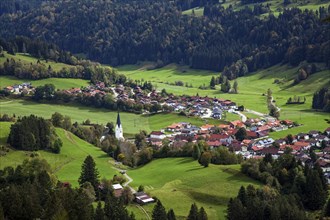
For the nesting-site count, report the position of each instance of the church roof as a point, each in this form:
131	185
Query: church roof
118	120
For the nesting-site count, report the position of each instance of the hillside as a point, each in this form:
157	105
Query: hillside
250	88
66	165
115	33
275	7
164	178
180	181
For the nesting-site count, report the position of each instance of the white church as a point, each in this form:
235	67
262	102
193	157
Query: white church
119	129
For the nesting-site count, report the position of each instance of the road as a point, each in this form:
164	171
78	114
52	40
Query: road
243	117
129	179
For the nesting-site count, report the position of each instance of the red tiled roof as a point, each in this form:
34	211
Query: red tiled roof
255	148
156	133
213	143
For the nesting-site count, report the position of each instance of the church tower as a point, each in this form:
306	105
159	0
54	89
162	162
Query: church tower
119	129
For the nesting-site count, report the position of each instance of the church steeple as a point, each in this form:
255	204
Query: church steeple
119	129
118	120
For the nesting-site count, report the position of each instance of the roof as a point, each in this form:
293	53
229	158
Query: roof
118	120
214	143
301	144
157	133
207	126
117	186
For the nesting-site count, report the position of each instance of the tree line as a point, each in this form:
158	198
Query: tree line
117	33
34	133
321	99
302	186
83	70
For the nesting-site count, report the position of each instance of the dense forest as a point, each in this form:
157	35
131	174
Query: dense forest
290	190
121	32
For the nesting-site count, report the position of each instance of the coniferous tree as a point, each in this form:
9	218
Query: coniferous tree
315	196
235	210
2	214
171	215
89	172
242	195
235	87
159	212
241	134
99	213
193	213
202	214
212	83
327	209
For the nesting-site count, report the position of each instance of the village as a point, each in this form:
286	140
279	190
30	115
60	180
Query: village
255	142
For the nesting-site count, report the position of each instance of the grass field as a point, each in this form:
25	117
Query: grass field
59	83
66	165
178	182
251	88
276	6
132	123
26	58
168	74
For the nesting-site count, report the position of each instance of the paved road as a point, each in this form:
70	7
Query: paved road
243	117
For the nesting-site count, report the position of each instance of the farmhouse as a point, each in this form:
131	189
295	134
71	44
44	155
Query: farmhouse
157	135
143	198
117	190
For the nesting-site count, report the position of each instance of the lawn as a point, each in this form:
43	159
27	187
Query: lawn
179	182
59	83
132	123
66	165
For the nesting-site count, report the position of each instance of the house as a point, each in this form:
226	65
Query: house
236	123
303	136
325	165
299	145
216	113
213	144
327	131
117	190
143	198
269	150
174	127
207	127
313	133
157	135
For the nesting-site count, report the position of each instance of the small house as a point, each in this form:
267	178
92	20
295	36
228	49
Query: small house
143	198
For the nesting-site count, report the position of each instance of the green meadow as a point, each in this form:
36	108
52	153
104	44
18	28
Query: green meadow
276	7
179	182
168	74
59	83
26	58
66	165
251	90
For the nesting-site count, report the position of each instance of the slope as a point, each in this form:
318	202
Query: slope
66	165
179	182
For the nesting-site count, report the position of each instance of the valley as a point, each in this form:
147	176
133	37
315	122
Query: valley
164	110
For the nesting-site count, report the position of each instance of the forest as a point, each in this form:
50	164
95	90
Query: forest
118	32
291	189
